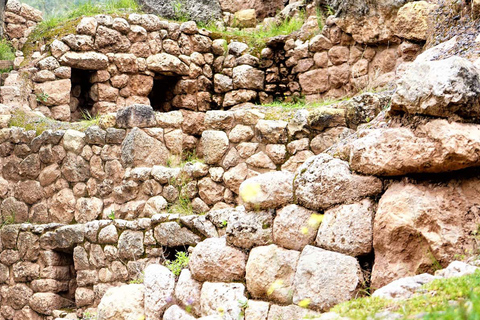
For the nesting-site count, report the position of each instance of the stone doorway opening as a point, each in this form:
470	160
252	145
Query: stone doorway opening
58	276
81	102
163	92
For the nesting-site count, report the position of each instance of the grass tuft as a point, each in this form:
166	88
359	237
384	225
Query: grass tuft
6	50
183	206
181	262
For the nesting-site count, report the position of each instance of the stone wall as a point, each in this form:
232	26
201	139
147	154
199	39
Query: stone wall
66	176
50	267
127	172
111	63
20	20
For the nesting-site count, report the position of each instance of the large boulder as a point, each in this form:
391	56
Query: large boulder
223	299
323	181
122	303
292	311
85	60
249	229
263	8
348	228
270	273
441	88
433	147
267	191
213	260
47	302
372	23
326	278
139	149
404	288
55	92
167	64
197	10
411	22
215	145
177	313
159	288
420	226
294	227
187	292
137	115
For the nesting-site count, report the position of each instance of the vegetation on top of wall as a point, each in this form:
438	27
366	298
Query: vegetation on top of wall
57	26
61	8
447	299
257	39
281	110
39	124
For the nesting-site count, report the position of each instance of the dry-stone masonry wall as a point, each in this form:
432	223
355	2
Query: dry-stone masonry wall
20	20
110	63
126	171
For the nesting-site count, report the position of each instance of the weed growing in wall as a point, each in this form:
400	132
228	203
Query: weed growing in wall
6	50
177	265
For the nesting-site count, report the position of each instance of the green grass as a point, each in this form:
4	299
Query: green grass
58	26
177	265
435	302
30	121
6	50
257	39
280	110
183	206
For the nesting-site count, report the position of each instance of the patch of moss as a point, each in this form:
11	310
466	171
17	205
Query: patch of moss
45	33
31	121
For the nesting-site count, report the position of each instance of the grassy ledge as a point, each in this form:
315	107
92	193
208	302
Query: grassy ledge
443	299
39	124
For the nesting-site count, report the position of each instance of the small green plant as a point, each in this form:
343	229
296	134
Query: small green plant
224	224
179	11
9	219
190	156
177	265
243	305
183	206
139	279
111	216
6	50
89	316
42	97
